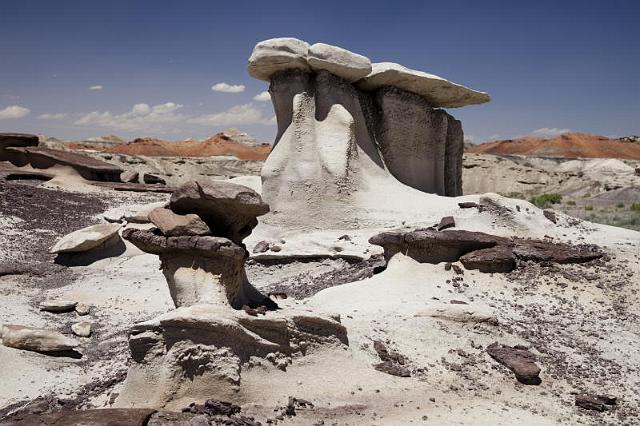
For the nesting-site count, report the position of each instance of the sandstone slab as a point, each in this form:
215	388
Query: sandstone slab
436	90
36	339
278	54
58	305
86	238
341	62
171	224
17	139
92	417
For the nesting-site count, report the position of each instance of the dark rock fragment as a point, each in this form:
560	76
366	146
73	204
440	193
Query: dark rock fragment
518	360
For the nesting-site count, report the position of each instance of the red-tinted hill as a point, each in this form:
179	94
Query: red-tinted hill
567	145
217	145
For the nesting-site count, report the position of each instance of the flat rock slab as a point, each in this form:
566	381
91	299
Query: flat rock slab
86	238
17	139
435	90
206	246
98	170
519	360
338	61
477	250
58	305
98	417
36	339
278	54
173	225
135	187
595	402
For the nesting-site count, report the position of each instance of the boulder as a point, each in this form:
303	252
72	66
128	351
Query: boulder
171	224
518	360
341	62
58	305
82	309
103	234
82	329
278	54
230	210
36	339
437	91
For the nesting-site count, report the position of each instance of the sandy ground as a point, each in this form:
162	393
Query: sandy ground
580	320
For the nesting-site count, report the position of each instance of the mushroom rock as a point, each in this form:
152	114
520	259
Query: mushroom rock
220	320
229	209
349	130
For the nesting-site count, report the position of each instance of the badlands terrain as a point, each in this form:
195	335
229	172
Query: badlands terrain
363	271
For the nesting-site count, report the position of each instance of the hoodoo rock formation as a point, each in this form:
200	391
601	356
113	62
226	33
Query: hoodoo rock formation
221	320
346	126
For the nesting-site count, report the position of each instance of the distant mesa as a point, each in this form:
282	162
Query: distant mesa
230	142
567	145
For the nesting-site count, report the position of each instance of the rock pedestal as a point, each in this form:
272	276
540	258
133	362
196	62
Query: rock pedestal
346	125
220	321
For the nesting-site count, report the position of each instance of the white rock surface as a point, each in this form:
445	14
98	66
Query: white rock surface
82	329
86	238
277	54
341	62
36	339
436	90
83	309
57	305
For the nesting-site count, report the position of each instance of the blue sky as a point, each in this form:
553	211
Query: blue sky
75	69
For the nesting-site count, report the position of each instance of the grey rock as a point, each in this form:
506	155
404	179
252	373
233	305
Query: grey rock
36	339
437	91
82	329
230	210
341	62
87	238
278	54
58	305
173	225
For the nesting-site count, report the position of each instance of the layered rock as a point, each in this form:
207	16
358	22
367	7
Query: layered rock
220	320
477	250
346	126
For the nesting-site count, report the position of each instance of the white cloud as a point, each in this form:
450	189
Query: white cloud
14	111
96	87
141	117
228	88
237	115
553	131
262	97
47	116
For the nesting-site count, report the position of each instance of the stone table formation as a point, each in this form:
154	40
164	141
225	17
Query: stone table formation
220	320
345	125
